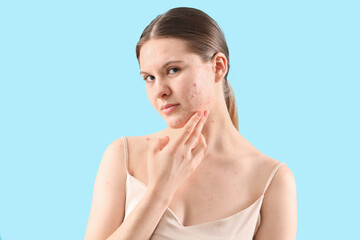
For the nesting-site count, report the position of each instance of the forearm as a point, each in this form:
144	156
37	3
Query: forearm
144	218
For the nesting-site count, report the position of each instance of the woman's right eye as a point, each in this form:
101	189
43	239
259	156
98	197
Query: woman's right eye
149	76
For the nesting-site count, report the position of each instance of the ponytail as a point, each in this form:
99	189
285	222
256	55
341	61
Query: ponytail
231	103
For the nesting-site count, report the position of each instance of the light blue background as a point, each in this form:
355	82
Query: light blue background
70	85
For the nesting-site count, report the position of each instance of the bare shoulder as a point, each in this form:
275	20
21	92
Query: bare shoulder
137	147
114	154
109	194
279	208
284	177
283	182
107	208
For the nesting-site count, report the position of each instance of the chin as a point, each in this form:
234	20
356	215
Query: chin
175	125
177	120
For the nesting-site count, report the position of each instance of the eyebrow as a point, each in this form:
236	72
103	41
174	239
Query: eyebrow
167	63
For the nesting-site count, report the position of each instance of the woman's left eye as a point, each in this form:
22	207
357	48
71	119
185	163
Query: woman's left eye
176	69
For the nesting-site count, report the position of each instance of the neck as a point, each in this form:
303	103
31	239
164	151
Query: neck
222	138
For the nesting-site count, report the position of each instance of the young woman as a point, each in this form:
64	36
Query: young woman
199	178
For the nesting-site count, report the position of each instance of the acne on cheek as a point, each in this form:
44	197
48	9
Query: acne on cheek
199	97
199	101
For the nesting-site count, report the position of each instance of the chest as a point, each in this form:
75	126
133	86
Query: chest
211	193
199	201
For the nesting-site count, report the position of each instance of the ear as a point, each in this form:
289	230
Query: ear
219	63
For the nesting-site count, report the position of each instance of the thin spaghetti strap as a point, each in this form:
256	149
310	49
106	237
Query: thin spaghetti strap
272	175
126	153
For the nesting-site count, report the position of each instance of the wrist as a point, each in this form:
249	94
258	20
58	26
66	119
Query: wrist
160	194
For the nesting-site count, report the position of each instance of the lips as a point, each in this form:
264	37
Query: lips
168	105
168	108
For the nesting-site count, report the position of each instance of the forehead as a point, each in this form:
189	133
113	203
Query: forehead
155	52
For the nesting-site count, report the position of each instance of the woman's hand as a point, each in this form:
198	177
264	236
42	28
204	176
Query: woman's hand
171	161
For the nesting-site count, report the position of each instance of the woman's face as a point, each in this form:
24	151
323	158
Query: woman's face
173	75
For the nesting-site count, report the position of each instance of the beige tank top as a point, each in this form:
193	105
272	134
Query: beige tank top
242	225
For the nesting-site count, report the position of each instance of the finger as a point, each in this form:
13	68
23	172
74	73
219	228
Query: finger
189	127
159	144
191	142
199	151
164	141
197	141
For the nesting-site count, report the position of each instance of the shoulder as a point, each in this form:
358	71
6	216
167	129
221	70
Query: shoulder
108	194
137	148
283	183
279	208
139	144
114	151
112	163
129	143
283	180
285	176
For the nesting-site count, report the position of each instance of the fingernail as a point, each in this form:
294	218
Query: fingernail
199	113
206	113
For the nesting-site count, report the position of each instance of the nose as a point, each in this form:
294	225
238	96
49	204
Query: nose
162	88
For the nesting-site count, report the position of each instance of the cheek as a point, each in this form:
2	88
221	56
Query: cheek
200	94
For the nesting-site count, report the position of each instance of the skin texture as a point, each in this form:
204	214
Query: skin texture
196	86
231	165
190	83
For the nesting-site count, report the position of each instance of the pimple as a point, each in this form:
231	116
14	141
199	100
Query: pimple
194	84
147	139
